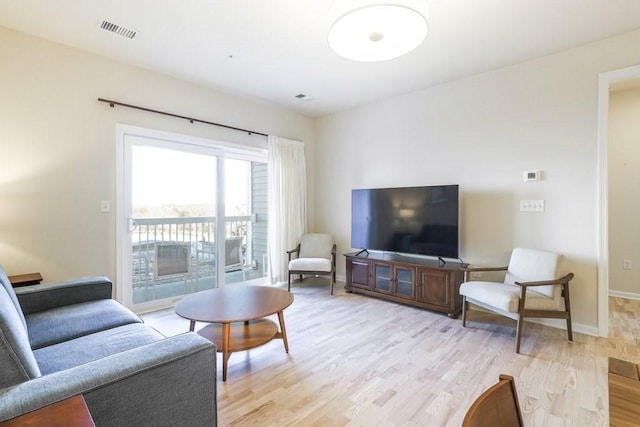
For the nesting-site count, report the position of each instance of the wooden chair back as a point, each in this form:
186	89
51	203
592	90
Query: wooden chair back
496	407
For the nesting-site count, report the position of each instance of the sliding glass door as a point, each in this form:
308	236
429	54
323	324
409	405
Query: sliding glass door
192	217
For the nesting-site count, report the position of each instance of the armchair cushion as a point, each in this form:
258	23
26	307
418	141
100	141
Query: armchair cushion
530	265
506	297
316	245
310	264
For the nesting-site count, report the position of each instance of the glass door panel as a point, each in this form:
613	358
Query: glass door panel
245	220
173	222
383	278
404	283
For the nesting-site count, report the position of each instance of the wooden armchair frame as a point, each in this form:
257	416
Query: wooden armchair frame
498	406
522	310
331	274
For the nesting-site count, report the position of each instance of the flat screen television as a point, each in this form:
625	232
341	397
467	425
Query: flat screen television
411	220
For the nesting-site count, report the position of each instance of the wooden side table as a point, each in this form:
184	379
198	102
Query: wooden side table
25	279
71	412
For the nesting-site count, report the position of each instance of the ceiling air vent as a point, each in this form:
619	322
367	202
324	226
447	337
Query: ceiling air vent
303	97
117	29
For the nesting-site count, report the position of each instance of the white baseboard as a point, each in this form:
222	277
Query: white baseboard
555	323
562	324
620	294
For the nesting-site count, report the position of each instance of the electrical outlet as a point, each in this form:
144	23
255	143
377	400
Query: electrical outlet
626	264
105	206
476	275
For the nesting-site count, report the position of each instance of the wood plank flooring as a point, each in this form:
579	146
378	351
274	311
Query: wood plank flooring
360	361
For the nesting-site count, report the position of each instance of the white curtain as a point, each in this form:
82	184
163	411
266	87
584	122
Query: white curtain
287	201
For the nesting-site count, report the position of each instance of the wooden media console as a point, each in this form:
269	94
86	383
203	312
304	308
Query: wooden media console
425	283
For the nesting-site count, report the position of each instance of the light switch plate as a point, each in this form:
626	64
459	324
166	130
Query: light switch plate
531	205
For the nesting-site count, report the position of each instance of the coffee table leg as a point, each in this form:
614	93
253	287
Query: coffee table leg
192	326
284	331
226	331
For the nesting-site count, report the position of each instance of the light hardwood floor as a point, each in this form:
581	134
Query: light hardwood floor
360	361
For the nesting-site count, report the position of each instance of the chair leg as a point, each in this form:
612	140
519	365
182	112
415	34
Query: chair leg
331	280
520	323
567	307
464	311
519	332
289	283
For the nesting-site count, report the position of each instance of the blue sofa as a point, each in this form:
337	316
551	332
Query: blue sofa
62	339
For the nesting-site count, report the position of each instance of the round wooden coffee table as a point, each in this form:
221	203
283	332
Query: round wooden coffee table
236	317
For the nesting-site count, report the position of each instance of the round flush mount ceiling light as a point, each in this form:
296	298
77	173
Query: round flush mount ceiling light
372	31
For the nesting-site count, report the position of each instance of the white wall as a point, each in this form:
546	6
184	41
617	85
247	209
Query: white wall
482	133
57	147
624	191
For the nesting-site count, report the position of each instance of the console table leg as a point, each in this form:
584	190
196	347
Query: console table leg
283	331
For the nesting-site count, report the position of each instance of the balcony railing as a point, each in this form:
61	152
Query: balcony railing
173	249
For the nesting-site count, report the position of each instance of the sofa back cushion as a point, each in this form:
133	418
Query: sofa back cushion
6	284
17	363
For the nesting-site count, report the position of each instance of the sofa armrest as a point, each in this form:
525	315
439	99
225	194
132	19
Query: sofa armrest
45	296
167	383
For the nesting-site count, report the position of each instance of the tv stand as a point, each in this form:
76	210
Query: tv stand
425	283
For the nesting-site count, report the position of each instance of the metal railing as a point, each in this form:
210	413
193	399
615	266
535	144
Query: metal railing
186	247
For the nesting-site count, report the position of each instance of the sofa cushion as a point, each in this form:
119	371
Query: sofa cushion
88	348
68	322
17	363
6	284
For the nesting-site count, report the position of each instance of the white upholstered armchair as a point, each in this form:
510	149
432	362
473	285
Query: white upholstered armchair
532	287
315	255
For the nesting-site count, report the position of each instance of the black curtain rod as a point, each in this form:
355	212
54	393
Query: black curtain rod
191	119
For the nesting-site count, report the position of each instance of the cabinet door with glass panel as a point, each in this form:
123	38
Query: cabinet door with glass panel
392	279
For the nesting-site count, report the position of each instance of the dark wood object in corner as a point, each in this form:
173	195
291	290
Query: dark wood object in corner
420	282
70	412
25	279
624	393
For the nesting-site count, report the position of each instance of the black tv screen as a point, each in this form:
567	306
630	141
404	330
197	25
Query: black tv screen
413	220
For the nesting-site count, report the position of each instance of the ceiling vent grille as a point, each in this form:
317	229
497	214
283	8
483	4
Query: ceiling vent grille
117	29
304	97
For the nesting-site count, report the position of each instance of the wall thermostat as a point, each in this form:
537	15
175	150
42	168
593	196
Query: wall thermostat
532	175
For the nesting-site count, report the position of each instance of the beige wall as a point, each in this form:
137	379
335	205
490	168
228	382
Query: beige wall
57	148
482	133
624	191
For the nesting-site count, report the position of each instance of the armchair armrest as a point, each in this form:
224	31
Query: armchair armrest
167	383
46	296
294	251
468	270
561	281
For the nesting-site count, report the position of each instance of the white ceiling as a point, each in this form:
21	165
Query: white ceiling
272	50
